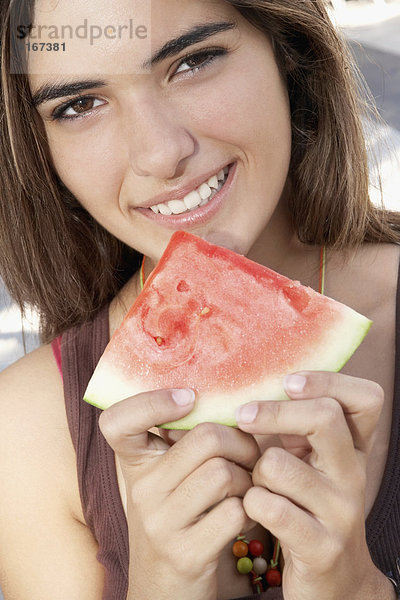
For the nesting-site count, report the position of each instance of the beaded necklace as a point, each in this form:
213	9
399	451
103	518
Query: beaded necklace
249	553
251	562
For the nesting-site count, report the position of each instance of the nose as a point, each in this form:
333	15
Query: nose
159	143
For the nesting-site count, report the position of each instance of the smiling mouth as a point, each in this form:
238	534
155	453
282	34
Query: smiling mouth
198	197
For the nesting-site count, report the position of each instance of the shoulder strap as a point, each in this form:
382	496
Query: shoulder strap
81	349
383	535
56	347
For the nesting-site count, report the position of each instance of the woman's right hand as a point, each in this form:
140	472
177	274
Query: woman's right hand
184	502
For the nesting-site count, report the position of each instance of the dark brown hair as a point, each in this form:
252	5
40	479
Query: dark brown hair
55	257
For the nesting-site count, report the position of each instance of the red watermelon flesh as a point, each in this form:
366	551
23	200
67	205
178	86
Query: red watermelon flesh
225	326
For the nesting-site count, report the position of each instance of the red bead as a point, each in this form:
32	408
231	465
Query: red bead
240	549
273	577
256	548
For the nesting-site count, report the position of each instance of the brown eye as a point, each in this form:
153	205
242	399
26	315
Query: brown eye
199	60
82	105
76	108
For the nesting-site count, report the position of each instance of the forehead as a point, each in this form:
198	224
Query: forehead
109	36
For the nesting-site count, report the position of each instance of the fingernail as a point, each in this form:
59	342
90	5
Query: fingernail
294	383
246	413
183	397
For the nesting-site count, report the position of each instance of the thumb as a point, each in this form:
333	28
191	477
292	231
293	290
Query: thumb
125	424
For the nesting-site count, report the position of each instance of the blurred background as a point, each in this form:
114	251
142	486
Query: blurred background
373	29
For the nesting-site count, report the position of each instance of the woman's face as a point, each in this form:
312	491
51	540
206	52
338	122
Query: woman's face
160	137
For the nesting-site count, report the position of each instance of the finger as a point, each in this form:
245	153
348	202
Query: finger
295	528
125	425
205	441
321	421
284	474
360	399
221	525
211	483
296	445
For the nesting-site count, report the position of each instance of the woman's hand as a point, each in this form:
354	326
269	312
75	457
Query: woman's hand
184	502
311	493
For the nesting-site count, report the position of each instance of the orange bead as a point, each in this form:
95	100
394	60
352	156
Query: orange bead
240	549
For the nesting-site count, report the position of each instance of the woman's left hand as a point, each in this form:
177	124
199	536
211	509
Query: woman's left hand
311	493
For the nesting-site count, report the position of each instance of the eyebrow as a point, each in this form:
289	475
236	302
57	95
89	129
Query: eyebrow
199	33
50	91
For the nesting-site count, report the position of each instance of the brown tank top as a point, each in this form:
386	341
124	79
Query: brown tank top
81	348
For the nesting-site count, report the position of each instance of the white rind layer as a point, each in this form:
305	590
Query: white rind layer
334	349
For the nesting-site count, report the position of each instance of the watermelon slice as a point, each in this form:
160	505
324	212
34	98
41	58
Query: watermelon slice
225	326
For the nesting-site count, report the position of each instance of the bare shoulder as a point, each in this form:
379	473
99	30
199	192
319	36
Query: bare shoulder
34	424
44	542
379	264
367	280
37	369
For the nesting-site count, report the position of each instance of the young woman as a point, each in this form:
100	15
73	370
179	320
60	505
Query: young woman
97	138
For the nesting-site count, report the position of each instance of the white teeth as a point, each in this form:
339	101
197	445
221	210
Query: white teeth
164	209
192	200
177	206
204	191
198	197
213	182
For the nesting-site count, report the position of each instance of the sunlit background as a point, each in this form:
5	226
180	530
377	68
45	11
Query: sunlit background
373	27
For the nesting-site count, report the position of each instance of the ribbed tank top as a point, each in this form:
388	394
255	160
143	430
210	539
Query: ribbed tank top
81	348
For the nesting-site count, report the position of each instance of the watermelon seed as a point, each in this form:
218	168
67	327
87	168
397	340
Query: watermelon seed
159	340
183	286
205	311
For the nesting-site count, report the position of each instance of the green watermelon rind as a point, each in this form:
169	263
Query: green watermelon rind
354	328
360	332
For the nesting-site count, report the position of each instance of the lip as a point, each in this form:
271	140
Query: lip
180	193
195	217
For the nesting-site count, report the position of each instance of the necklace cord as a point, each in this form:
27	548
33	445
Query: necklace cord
322	270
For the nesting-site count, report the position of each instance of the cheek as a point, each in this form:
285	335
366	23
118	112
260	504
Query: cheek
89	164
255	112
